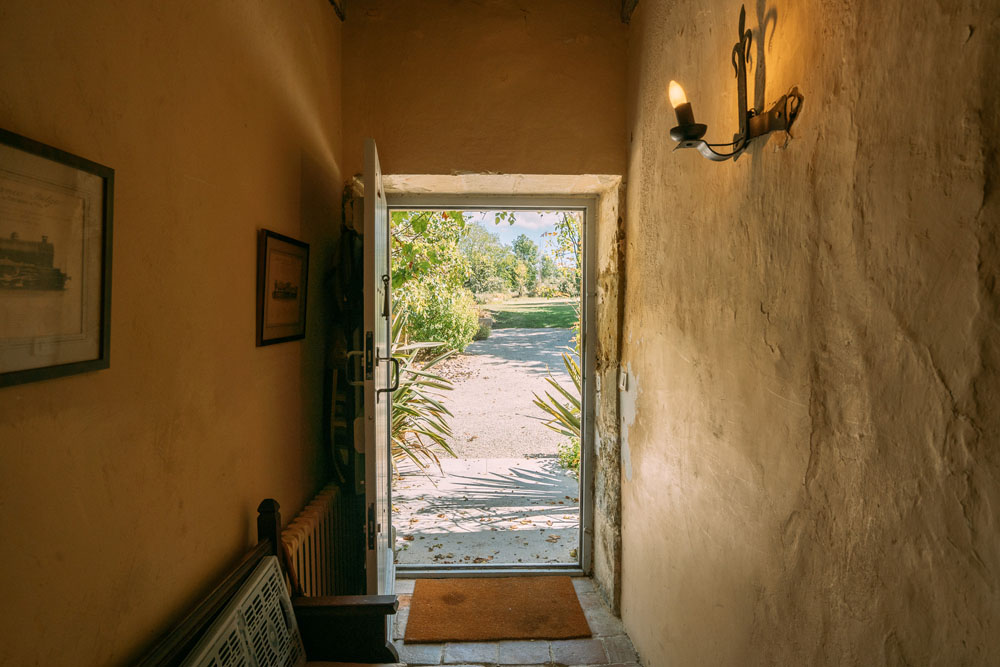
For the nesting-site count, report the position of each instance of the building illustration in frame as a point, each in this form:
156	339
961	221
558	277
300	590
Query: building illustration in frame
28	265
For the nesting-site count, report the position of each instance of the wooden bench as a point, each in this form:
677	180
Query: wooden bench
339	628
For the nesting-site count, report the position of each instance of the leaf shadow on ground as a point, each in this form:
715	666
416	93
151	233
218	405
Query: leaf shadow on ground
535	351
522	493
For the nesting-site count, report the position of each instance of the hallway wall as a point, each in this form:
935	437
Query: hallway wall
500	86
125	492
811	471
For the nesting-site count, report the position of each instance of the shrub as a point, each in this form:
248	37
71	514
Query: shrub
546	291
485	327
439	313
494	285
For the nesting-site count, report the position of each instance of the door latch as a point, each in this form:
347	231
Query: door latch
385	295
369	355
371	527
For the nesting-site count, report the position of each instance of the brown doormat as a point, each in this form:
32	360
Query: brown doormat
460	610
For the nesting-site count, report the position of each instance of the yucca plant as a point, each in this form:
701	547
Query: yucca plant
420	426
563	409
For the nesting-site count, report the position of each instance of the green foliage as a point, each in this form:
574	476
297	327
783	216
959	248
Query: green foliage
439	311
490	263
564	406
547	268
425	243
569	455
484	331
527	264
428	272
419	429
518	269
566	249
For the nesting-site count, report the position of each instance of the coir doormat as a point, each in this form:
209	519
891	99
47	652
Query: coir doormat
458	610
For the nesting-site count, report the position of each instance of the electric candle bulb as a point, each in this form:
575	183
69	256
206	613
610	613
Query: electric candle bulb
677	96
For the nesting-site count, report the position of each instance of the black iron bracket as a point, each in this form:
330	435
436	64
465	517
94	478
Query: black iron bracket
752	123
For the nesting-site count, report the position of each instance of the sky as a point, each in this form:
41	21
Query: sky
530	223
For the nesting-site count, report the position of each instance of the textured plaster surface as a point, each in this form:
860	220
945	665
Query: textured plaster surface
814	336
609	239
493	86
124	493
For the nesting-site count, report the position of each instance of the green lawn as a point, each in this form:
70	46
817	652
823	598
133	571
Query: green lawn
527	313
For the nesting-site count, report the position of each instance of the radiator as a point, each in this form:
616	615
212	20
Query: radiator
311	544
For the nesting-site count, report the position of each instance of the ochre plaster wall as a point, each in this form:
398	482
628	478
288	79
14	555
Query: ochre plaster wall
123	493
505	86
810	460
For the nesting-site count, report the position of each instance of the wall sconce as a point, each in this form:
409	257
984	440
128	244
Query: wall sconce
753	124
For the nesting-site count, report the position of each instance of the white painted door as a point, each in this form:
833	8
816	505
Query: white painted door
379	374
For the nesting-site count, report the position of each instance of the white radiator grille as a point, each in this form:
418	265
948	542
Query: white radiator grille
256	629
309	542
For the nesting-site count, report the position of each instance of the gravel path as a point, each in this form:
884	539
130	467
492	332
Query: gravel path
495	381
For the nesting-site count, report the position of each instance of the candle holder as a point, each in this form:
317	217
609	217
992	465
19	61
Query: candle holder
753	124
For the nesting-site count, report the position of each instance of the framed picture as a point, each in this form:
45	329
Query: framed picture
282	277
55	262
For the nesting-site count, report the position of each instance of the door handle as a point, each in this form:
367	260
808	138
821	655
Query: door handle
395	385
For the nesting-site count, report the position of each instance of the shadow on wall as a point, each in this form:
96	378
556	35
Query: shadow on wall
764	17
319	225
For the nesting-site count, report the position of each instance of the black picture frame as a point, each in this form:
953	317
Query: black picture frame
56	212
282	288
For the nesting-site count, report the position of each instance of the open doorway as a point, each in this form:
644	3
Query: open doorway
491	312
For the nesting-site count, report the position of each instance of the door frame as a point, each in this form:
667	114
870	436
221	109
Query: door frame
587	203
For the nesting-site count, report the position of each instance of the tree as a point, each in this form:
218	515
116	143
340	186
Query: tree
428	276
490	263
566	248
526	252
547	267
425	243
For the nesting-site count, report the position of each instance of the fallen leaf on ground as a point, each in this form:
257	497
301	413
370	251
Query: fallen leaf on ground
440	516
549	522
572	553
408	538
553	538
